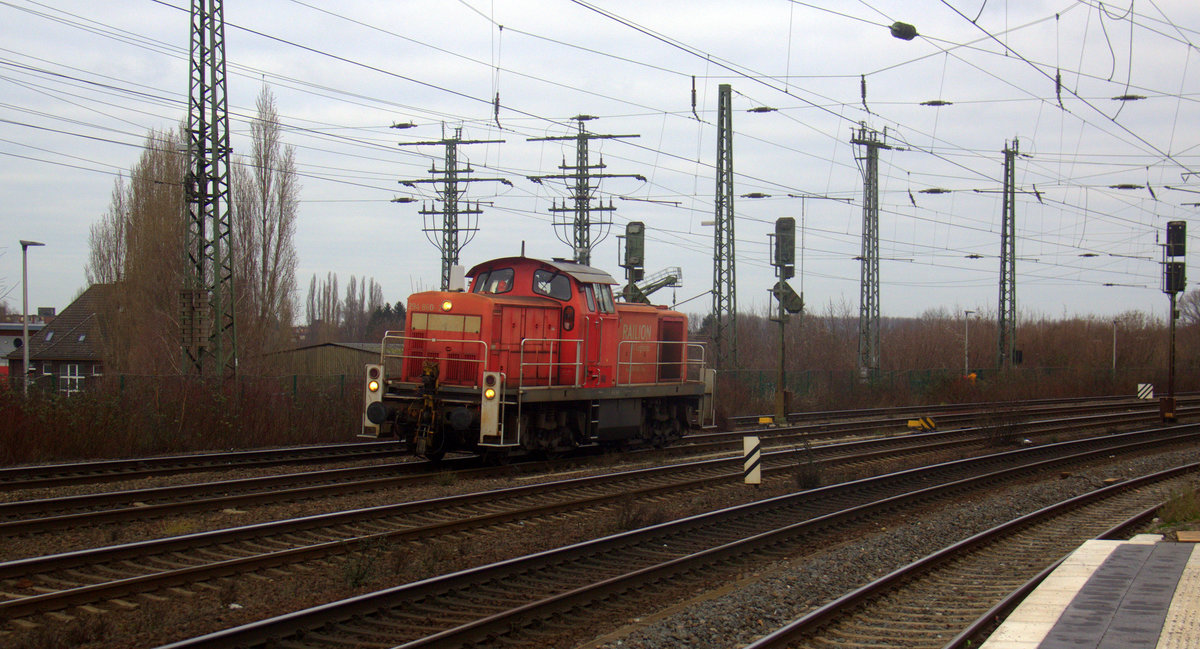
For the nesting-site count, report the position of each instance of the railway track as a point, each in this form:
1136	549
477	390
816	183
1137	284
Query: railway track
49	514
58	581
877	420
966	581
905	412
950	417
73	473
538	600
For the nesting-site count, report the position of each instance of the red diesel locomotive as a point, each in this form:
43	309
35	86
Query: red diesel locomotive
536	357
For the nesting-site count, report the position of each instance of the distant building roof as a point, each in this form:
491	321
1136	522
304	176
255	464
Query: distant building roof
74	335
16	328
372	348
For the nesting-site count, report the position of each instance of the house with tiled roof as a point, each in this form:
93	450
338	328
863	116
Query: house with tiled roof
66	354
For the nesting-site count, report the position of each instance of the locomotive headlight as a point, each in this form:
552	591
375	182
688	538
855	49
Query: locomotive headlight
446	306
373	385
489	394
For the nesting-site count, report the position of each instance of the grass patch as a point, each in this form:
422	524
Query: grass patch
179	527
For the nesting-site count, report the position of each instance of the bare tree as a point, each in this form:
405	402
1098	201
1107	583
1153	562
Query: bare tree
363	298
351	319
267	200
1189	308
108	238
136	245
323	309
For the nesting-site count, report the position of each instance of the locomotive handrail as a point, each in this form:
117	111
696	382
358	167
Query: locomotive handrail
551	365
388	336
686	363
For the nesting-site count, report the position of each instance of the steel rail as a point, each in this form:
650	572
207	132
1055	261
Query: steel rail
49	475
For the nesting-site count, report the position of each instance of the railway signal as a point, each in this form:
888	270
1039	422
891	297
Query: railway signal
1174	283
784	261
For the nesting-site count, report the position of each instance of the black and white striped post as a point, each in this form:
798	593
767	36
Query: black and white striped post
752	460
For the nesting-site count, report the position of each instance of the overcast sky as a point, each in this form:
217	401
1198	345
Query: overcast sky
81	84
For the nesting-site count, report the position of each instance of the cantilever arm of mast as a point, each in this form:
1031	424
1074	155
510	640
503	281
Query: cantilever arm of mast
451	141
539	179
468	179
590	136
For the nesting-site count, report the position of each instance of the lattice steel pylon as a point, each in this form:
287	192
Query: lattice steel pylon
208	327
868	310
449	195
583	191
724	332
1007	318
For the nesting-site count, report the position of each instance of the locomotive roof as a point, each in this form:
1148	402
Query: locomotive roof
586	274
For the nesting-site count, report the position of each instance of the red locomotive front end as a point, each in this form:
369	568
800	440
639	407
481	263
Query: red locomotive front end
535	357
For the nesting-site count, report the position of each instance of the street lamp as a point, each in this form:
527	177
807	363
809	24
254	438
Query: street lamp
1114	360
25	309
966	349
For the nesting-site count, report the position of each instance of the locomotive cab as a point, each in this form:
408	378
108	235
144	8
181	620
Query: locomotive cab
536	357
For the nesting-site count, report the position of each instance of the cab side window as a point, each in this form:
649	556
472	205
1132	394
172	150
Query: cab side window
591	300
551	284
604	298
480	282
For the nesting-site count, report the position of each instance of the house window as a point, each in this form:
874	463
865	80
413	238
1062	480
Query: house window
97	370
71	378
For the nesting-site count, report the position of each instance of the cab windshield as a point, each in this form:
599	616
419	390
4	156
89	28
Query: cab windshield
499	280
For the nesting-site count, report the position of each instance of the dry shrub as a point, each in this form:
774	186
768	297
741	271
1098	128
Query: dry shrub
636	515
91	628
808	474
1002	427
1182	507
128	416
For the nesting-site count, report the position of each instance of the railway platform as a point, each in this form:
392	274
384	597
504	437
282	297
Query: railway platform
1135	594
